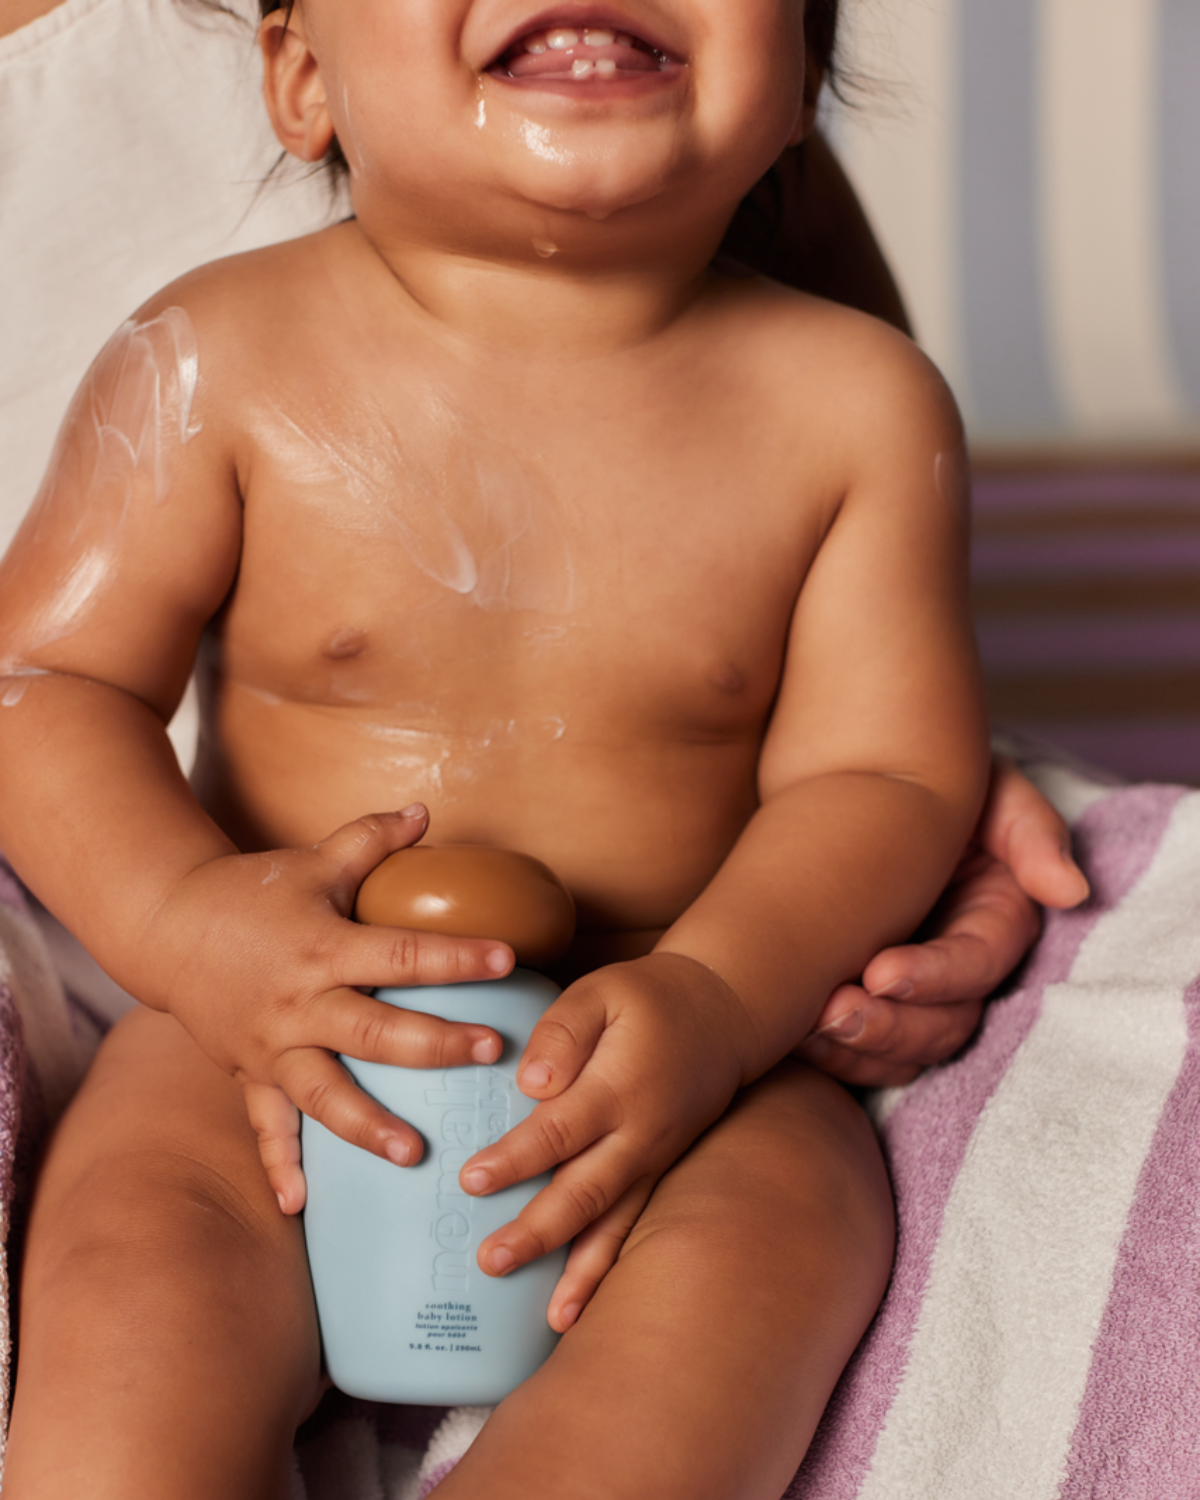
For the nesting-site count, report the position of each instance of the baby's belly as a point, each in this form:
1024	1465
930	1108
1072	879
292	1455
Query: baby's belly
634	824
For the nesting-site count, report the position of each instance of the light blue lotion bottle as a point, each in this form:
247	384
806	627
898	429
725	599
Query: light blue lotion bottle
406	1314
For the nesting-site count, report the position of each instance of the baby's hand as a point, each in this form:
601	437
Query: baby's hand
256	956
630	1065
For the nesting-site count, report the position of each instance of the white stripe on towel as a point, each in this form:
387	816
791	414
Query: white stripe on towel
1000	1355
1100	215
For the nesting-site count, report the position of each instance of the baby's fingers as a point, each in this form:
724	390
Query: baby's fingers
319	1085
583	1191
276	1122
354	850
398	957
594	1254
562	1041
374	1031
553	1133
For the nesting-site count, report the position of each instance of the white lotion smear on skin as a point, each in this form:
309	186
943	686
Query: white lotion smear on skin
116	453
951	475
504	547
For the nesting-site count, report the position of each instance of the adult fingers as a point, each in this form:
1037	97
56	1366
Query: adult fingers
882	1043
318	1084
275	1120
593	1255
561	1042
374	1031
855	1068
1022	830
980	936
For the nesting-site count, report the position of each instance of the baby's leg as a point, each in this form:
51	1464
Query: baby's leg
168	1340
702	1365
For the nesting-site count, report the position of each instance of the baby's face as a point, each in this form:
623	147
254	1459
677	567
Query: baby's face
462	110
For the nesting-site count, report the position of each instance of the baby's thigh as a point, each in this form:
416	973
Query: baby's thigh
154	1128
157	1255
152	1187
791	1179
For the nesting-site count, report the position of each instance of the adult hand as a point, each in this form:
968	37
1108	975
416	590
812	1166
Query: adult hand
919	1003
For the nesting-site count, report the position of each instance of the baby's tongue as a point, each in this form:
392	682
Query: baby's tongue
579	53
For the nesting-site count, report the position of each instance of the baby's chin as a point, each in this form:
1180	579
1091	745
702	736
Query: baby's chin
551	172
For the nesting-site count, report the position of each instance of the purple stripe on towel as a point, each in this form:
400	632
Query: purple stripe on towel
1136	1436
927	1135
435	1477
12	1076
11	891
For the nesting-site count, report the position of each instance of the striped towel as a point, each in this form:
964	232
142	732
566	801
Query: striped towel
1031	168
1041	1336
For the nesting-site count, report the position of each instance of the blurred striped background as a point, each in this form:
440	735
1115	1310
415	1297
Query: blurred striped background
1032	168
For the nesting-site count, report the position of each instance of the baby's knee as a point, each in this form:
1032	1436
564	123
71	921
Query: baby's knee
146	1214
795	1165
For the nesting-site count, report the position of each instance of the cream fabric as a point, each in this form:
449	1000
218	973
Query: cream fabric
134	141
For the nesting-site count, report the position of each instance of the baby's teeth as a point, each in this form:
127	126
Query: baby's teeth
599	38
606	67
581	68
560	40
537	48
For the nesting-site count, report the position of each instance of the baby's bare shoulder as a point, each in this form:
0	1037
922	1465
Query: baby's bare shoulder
855	370
236	301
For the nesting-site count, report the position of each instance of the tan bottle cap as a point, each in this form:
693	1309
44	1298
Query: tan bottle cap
467	890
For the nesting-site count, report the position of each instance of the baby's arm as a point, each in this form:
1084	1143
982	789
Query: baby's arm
131	547
870	777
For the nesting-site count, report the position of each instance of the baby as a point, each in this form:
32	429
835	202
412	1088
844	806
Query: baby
497	502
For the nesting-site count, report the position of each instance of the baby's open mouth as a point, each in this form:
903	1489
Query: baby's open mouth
581	54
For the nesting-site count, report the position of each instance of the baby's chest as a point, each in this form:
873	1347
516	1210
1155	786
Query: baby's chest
653	582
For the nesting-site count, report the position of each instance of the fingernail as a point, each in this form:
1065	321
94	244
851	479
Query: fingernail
502	1260
846	1028
485	1050
477	1180
414	810
399	1152
498	961
570	1313
282	1203
899	989
535	1076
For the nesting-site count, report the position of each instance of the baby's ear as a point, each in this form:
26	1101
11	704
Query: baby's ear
293	87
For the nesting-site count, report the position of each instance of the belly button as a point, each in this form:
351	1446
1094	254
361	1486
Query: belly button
346	643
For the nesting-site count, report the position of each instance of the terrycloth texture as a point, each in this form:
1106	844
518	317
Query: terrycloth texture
1039	1339
46	1042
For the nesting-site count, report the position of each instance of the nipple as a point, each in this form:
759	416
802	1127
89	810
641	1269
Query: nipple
467	890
